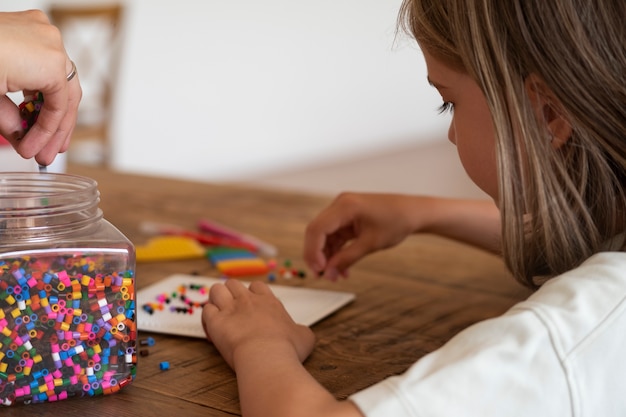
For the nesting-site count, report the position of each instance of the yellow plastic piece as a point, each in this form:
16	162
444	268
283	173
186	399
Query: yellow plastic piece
169	248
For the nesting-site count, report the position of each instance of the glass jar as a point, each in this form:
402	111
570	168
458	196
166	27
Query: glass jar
67	292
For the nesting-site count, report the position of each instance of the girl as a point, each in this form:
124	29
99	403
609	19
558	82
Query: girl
537	91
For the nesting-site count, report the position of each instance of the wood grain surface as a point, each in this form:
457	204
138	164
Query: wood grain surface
410	299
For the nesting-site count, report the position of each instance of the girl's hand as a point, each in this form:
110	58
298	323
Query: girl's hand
252	320
34	59
353	226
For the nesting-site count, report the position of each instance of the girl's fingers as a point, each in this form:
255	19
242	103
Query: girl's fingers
236	288
220	296
207	312
258	287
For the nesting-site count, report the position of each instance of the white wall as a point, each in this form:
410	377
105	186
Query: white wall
222	89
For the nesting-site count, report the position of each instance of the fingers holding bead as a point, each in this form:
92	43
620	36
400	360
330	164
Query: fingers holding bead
68	123
53	126
42	66
10	122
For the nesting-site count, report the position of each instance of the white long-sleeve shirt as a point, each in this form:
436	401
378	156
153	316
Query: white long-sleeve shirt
562	352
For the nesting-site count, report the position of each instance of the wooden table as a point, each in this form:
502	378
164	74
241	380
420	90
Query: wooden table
410	299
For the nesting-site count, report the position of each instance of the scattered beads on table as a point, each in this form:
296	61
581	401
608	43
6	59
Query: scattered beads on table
287	271
148	341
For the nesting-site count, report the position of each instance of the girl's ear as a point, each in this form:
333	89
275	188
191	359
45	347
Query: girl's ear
548	110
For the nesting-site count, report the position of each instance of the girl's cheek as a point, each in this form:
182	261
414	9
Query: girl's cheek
452	133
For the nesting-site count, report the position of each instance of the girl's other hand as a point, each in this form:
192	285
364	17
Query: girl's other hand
244	320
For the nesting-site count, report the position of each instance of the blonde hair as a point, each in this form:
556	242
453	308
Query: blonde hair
558	206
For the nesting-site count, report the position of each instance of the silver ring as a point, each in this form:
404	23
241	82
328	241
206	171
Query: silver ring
72	73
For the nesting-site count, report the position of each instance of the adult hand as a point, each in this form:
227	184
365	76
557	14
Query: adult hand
34	59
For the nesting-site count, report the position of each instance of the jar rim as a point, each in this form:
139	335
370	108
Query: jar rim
51	183
40	204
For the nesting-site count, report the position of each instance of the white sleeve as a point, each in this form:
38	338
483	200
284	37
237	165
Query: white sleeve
506	366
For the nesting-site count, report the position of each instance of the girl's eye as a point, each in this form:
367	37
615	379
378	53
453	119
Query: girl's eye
446	107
